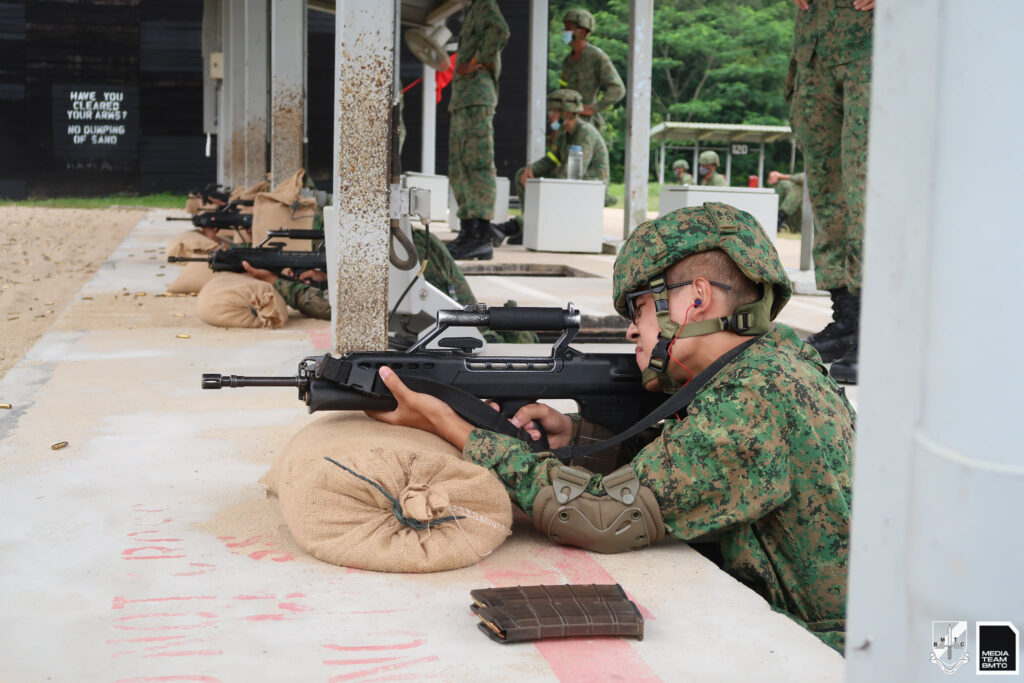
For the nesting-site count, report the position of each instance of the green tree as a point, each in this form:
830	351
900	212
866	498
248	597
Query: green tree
714	61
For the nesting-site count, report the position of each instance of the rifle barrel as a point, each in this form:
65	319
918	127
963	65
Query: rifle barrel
184	259
216	381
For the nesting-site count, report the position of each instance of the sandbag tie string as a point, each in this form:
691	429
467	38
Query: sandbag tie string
396	507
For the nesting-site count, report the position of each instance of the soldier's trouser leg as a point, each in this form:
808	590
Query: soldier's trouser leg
471	162
441	271
829	113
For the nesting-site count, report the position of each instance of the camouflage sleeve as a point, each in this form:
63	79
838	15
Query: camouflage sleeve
797	178
442	271
718	180
495	36
612	87
309	301
791	197
547	165
723	466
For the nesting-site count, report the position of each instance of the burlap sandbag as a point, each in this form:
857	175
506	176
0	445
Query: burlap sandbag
248	194
192	278
194	204
190	243
342	519
284	209
235	300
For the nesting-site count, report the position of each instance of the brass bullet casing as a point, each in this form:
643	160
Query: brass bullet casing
5	406
184	336
59	445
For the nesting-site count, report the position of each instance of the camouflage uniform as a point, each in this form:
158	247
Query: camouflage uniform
715	179
828	90
474	97
309	301
761	460
593	73
791	200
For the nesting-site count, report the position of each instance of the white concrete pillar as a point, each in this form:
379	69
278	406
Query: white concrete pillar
537	88
428	138
358	233
211	45
287	87
939	474
638	113
224	176
257	60
661	165
234	81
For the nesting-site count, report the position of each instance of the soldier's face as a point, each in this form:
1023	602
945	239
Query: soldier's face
643	330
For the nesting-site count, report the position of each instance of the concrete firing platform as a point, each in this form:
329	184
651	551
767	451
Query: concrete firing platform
145	550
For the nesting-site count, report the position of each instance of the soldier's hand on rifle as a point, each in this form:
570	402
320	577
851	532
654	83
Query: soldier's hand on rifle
309	276
527	174
421	411
557	426
260	273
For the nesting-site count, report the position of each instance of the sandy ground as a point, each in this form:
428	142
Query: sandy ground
47	255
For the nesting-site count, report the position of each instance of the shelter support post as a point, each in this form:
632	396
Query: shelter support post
760	166
255	93
234	82
638	113
806	230
536	115
287	87
211	44
661	164
728	165
428	139
358	231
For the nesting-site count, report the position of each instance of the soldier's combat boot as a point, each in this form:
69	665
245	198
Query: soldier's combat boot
477	245
840	335
509	229
465	230
844	370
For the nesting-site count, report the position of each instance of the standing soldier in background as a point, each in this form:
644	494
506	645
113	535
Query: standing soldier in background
471	142
564	107
682	170
709	161
587	69
828	90
790	189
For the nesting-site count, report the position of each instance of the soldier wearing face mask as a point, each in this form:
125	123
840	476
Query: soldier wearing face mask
708	161
587	69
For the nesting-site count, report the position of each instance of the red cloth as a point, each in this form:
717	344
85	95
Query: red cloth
443	78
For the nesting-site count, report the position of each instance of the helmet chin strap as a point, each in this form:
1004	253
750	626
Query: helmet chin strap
752	319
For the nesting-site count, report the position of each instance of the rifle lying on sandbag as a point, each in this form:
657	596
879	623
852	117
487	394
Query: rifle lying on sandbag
606	386
266	256
227	217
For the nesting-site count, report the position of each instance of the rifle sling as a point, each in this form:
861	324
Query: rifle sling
676	403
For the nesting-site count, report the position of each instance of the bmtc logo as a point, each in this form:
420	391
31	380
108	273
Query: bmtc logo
949	645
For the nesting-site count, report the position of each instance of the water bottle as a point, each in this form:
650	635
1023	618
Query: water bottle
575	169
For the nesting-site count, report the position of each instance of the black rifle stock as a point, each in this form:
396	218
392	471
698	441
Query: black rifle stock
606	386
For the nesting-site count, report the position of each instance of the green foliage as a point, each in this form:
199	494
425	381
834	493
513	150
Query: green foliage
165	200
714	61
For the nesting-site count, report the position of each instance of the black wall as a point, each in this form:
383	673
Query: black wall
144	53
147	54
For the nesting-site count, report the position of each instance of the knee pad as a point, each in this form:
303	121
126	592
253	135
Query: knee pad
626	517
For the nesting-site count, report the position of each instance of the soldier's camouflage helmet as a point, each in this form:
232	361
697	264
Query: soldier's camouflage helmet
709	157
659	243
565	99
581	18
681	163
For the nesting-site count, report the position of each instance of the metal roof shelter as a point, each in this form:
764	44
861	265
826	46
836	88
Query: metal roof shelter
729	133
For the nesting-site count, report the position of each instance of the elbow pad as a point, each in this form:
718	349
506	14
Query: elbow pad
625	517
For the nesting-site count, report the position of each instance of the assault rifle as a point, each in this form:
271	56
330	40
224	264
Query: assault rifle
606	386
212	193
266	256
